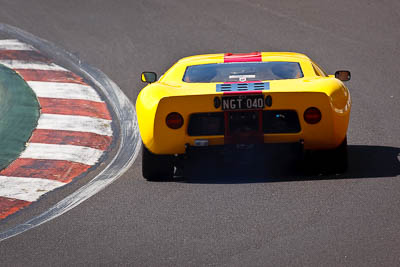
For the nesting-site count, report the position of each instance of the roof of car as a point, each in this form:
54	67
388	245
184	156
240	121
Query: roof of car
264	56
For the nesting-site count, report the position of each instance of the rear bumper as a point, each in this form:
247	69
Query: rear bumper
252	155
297	147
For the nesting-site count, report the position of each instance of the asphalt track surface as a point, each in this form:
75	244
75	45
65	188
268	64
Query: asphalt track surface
230	215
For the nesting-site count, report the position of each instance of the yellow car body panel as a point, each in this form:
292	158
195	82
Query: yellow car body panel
171	94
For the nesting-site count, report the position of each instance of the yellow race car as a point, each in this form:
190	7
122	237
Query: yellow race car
252	98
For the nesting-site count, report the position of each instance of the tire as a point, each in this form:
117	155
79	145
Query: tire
332	161
338	158
157	167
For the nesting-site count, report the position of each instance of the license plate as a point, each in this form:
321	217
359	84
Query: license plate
240	102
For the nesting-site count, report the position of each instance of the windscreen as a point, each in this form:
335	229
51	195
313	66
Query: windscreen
242	72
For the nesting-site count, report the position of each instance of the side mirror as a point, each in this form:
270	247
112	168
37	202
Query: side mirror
149	77
343	75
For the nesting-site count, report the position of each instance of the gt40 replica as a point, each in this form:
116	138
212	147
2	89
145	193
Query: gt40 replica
253	98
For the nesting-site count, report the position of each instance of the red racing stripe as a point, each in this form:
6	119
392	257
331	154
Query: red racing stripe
101	142
243	82
50	76
9	206
26	55
74	107
60	170
245	57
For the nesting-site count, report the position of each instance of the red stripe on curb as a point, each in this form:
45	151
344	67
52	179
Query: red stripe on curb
74	107
59	170
26	55
50	76
101	142
9	206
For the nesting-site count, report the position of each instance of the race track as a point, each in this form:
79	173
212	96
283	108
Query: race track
230	217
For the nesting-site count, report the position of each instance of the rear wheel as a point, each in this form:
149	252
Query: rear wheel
327	161
338	157
157	167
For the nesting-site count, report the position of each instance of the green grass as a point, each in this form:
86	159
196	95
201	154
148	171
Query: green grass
19	113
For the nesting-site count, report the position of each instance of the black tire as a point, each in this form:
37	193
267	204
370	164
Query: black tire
333	161
157	167
338	158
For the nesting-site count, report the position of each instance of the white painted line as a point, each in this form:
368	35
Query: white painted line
80	154
27	189
74	123
14	44
64	90
21	64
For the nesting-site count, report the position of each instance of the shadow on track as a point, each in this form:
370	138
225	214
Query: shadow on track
282	166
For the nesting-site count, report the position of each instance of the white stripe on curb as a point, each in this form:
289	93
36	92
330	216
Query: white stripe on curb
74	123
64	90
27	189
80	154
13	44
21	64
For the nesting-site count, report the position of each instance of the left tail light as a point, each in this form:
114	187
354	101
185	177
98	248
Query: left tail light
174	120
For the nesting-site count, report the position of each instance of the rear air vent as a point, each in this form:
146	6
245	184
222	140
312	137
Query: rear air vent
201	124
237	87
280	121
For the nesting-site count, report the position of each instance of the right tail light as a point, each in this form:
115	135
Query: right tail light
312	115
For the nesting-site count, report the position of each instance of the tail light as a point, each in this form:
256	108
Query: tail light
174	120
312	115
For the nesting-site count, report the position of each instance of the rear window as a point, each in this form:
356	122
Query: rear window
242	72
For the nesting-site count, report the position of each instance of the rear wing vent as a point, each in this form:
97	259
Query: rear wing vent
237	87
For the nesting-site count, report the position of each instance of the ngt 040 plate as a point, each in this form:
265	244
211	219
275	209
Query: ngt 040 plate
243	102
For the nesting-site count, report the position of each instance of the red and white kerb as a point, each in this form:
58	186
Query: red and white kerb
73	131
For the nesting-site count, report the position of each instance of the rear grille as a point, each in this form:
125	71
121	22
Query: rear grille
213	123
280	121
201	124
239	87
241	122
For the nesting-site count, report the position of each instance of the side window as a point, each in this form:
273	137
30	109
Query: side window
318	71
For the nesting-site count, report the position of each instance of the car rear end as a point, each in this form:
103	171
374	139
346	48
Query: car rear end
270	117
241	99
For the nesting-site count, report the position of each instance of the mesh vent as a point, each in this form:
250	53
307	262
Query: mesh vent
237	87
